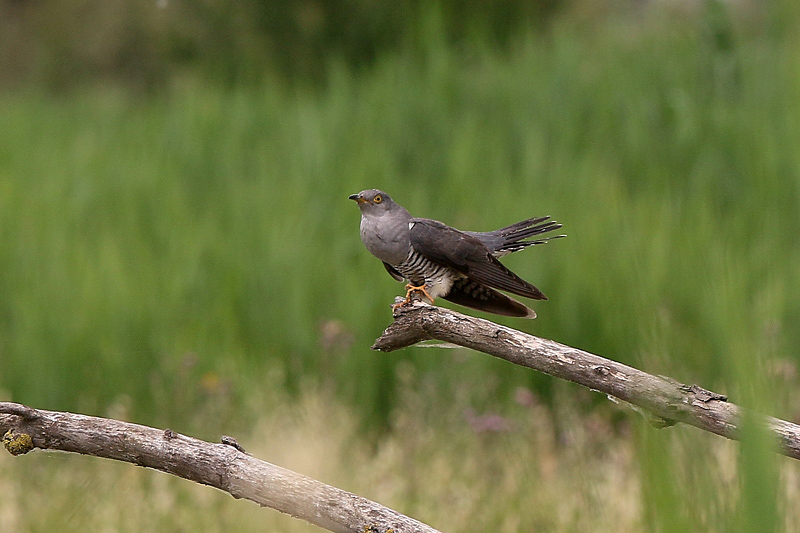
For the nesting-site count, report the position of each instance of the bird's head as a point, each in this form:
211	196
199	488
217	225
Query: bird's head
373	202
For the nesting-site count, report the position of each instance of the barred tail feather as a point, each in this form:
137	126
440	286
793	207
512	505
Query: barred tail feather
510	239
517	246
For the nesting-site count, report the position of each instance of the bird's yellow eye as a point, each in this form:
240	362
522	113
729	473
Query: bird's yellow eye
378	199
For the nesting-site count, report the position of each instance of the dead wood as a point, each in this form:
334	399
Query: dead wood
222	465
662	397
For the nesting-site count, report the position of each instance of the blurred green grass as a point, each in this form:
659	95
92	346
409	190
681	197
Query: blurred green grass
170	253
138	229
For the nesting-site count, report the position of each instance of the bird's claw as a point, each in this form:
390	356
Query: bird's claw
410	290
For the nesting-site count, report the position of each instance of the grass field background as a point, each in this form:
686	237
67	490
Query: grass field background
188	258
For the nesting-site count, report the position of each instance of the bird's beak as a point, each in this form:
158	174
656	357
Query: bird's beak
357	198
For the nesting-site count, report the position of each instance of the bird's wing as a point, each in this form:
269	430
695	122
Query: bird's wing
468	255
472	294
393	272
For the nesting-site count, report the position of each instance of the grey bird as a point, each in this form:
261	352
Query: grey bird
442	262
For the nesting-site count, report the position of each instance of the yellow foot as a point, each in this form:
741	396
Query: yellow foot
410	289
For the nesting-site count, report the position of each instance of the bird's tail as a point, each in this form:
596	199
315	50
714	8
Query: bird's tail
514	234
478	296
511	238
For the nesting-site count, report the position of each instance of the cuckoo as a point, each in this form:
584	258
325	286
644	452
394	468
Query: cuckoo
438	261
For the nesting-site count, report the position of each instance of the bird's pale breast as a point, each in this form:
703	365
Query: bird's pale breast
387	238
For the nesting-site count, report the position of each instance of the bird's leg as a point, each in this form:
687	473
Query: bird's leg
412	289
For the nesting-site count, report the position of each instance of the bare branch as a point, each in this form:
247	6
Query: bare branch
224	466
667	399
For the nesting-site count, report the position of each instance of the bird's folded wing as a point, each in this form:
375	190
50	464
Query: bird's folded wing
393	271
466	254
483	298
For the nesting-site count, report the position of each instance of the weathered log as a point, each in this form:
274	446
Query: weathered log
222	465
662	397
